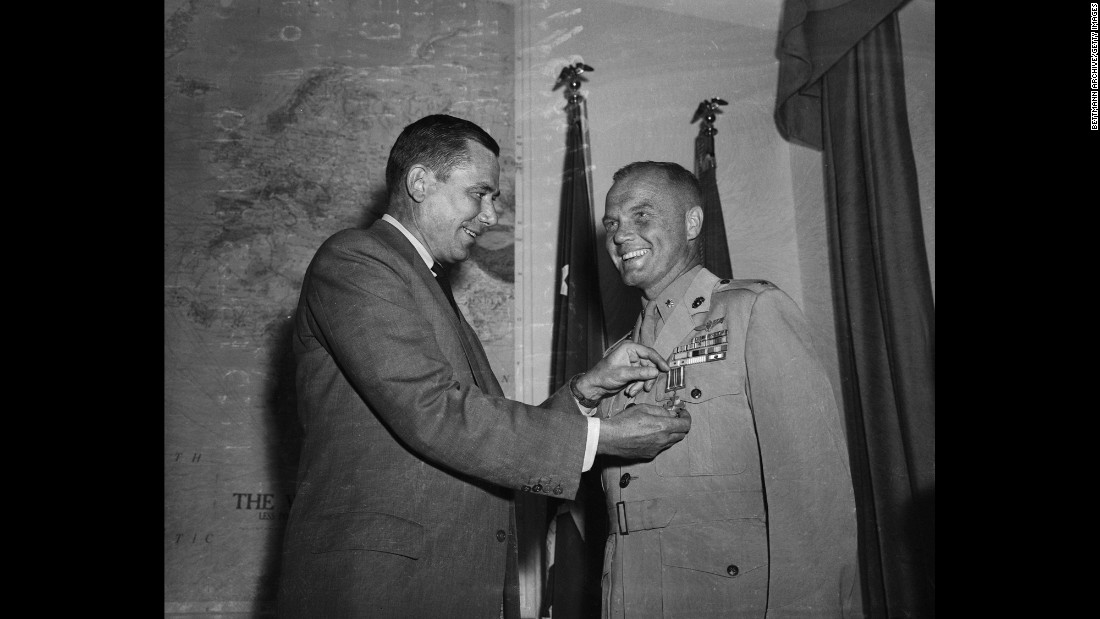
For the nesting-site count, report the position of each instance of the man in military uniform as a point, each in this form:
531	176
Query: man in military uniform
751	515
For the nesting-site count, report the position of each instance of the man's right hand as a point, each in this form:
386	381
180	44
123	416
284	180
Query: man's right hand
642	431
626	364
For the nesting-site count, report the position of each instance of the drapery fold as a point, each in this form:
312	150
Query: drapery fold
813	35
841	90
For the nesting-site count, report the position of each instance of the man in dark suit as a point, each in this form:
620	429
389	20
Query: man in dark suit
752	515
410	453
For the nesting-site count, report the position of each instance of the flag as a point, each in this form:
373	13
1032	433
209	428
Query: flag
716	253
573	578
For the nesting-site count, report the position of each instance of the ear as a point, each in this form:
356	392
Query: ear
693	221
416	183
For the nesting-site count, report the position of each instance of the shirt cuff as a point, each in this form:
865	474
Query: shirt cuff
593	441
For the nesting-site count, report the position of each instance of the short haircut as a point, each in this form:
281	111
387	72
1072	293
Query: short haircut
439	142
681	180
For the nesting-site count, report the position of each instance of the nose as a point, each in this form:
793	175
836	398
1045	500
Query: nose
621	234
488	213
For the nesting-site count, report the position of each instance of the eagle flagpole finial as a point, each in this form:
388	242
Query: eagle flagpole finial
571	75
708	111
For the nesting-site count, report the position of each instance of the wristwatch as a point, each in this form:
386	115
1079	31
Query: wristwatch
585	402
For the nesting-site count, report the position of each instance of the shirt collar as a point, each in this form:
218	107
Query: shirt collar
420	249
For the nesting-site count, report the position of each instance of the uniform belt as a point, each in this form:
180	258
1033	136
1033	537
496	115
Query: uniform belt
626	517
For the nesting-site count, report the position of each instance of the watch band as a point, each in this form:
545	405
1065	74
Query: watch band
585	402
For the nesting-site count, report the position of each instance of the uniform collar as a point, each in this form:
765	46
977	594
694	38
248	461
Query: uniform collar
665	303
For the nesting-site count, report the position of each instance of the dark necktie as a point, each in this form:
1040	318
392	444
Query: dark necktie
475	363
445	284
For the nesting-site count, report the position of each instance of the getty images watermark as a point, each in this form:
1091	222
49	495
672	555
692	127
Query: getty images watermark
1093	45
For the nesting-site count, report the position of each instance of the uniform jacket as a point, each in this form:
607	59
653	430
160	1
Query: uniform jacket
752	514
410	453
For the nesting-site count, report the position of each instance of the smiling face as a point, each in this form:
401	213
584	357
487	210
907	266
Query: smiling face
450	214
648	229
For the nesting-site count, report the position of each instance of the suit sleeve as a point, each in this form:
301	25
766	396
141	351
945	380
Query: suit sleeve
809	497
367	312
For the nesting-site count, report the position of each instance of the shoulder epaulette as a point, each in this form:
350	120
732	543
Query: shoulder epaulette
755	285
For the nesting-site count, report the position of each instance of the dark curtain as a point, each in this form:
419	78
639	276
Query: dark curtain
841	91
716	252
573	581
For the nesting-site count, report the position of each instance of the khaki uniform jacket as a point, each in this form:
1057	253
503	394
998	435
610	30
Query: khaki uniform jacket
410	453
752	514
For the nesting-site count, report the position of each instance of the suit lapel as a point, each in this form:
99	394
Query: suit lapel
479	362
397	241
471	347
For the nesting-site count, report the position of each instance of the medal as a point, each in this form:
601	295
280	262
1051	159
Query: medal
701	349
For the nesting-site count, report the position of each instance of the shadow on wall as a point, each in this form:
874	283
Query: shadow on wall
284	440
374	207
284	448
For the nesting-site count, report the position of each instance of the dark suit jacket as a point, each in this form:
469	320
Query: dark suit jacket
410	452
752	514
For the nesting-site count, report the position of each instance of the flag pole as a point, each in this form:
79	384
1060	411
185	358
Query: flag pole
573	583
716	254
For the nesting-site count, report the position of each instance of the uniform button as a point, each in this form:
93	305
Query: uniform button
695	393
624	481
557	489
501	536
697	302
526	488
537	488
732	570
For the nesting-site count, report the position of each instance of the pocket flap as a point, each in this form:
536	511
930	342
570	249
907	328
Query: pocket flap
726	548
703	381
369	531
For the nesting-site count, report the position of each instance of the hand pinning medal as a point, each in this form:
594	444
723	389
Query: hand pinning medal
675	406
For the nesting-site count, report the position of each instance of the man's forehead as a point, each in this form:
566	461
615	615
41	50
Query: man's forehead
479	153
637	192
482	168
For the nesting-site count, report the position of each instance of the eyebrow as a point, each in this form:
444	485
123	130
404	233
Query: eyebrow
486	187
640	206
644	204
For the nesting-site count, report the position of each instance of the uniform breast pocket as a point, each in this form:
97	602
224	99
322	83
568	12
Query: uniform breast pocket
722	439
